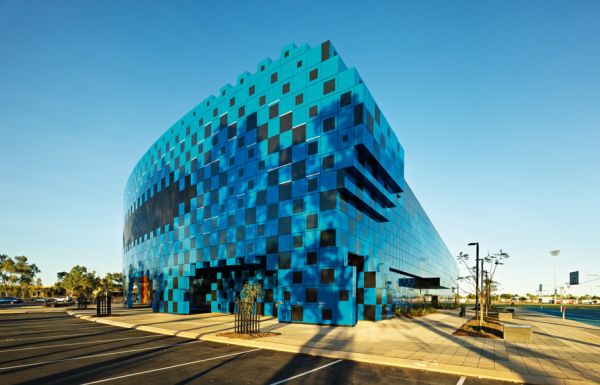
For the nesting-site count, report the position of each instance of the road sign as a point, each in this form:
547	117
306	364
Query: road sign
574	278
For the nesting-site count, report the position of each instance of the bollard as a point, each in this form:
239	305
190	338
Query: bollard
564	312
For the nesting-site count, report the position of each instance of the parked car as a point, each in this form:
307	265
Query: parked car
10	300
64	300
39	299
49	302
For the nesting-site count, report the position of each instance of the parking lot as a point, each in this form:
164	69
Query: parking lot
55	348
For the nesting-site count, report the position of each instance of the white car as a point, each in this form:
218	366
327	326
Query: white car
64	300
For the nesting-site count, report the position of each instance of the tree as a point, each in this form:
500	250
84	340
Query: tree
38	288
471	279
489	285
250	293
17	275
26	273
531	297
7	274
78	281
112	282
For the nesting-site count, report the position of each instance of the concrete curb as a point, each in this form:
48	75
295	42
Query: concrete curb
433	366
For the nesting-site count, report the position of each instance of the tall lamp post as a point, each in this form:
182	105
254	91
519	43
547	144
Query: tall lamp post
555	253
477	308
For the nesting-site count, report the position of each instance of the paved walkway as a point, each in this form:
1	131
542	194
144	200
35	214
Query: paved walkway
562	352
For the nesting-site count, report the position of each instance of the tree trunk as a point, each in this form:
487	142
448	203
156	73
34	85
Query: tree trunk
480	310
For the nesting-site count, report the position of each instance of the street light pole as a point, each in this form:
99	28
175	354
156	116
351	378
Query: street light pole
477	304
555	253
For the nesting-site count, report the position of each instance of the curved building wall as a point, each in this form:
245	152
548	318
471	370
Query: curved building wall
292	178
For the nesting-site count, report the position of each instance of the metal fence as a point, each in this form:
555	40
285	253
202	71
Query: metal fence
103	304
247	322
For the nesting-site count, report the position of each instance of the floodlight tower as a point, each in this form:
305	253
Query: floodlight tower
555	253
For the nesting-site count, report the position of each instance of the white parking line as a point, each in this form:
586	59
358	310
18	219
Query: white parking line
307	372
97	355
47	330
33	321
30	320
78	343
461	380
48	337
169	367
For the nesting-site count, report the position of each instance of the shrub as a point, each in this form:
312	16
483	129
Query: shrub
415	311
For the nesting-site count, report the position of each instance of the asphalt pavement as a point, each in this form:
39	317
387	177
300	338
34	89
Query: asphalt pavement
55	348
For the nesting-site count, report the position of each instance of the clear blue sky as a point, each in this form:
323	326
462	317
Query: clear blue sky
496	103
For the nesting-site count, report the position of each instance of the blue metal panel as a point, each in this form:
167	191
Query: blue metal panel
232	210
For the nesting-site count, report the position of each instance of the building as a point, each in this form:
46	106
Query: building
292	178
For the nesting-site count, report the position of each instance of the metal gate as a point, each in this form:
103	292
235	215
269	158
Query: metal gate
103	304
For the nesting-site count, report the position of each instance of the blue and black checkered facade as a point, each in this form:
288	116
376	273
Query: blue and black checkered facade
292	178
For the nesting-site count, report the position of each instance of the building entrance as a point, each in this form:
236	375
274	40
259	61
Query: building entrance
215	289
200	295
359	262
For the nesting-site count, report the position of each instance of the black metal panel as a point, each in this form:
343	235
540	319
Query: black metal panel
158	210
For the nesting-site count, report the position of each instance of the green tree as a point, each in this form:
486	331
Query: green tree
112	282
17	275
58	288
78	281
38	288
250	293
8	278
26	273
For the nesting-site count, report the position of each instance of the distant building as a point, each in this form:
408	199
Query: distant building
292	178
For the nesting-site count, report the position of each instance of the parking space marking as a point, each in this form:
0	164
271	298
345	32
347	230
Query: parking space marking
461	380
307	372
33	320
48	337
40	326
169	367
42	330
78	343
98	355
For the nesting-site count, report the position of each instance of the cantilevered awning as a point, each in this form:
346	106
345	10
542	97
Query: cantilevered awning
418	282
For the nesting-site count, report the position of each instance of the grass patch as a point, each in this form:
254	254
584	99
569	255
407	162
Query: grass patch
251	336
491	329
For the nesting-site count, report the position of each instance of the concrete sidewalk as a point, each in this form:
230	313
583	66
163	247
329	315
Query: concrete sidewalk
562	352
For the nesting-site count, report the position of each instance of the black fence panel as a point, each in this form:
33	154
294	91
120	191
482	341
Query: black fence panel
246	322
103	304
